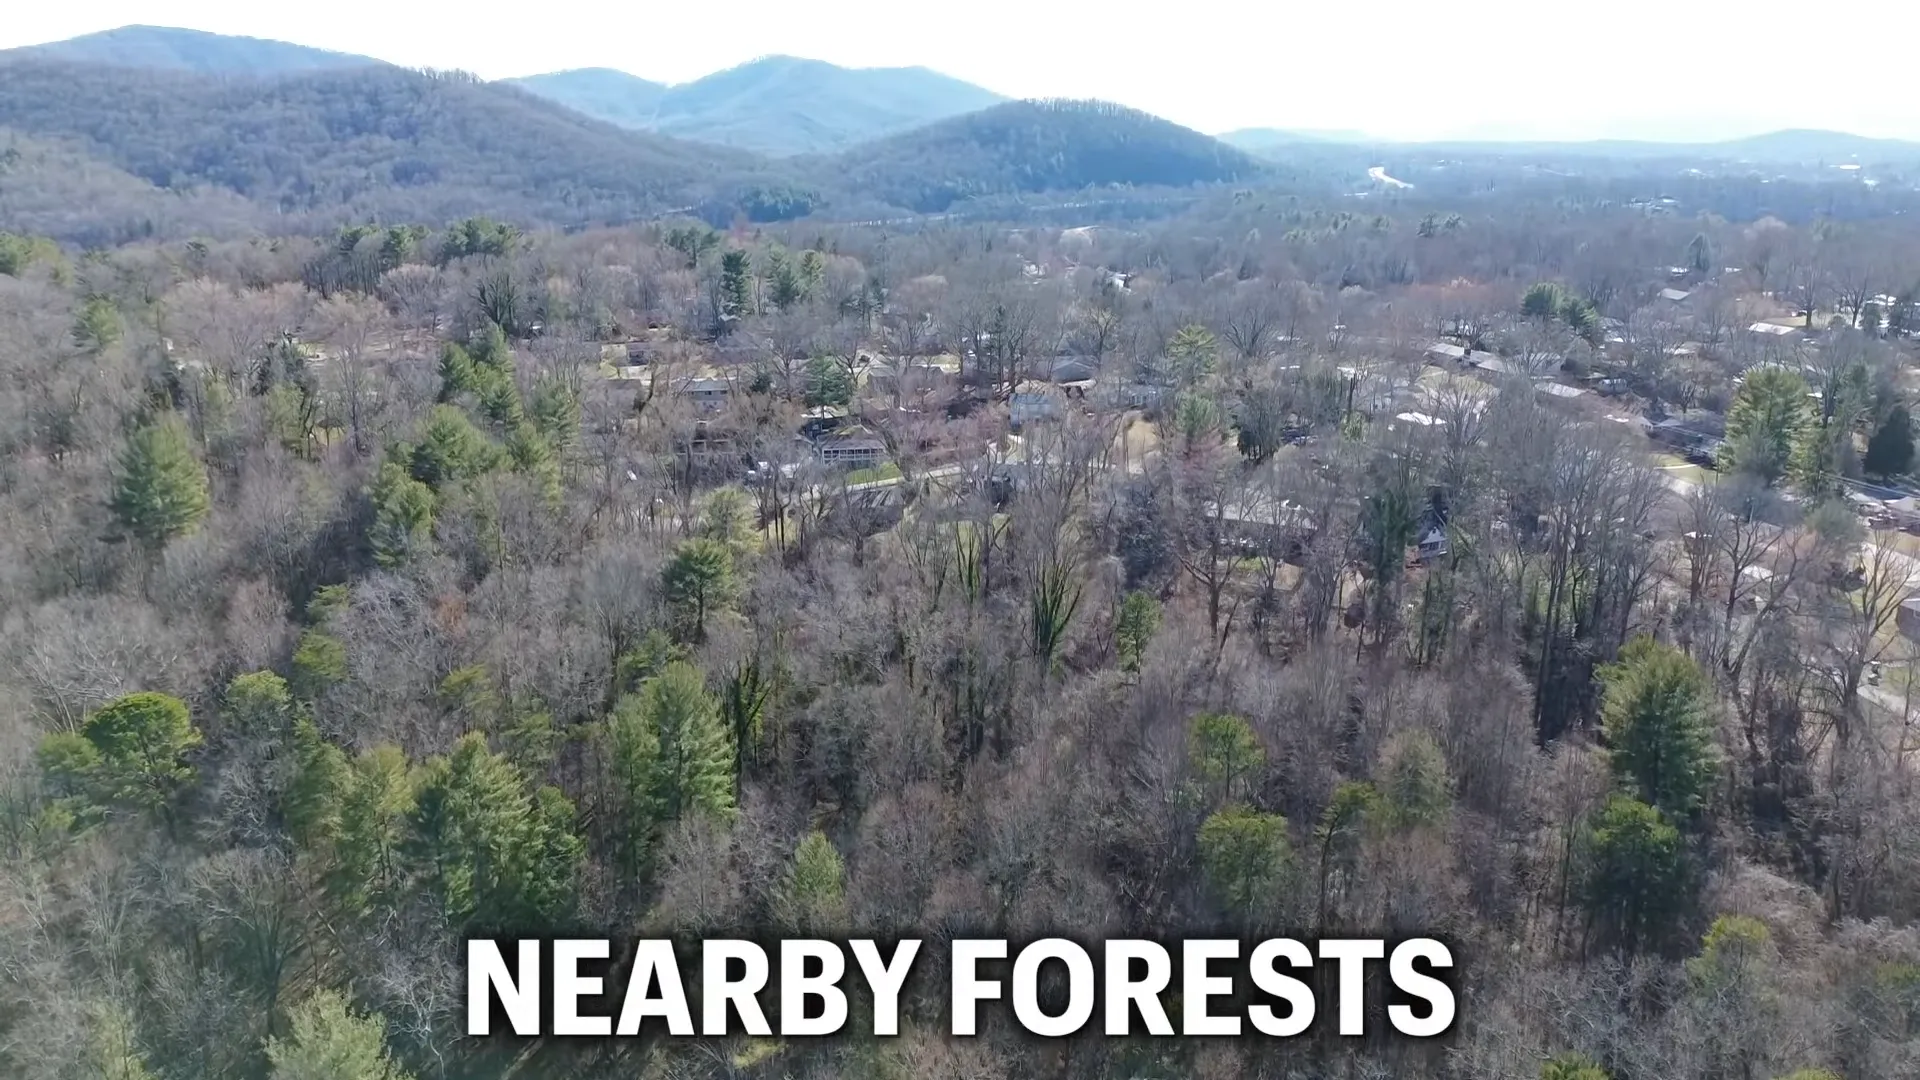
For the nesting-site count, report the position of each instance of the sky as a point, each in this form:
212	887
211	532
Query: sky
1400	69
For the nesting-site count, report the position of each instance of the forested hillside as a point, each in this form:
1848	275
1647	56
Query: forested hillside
165	48
367	143
777	105
1033	146
50	189
602	93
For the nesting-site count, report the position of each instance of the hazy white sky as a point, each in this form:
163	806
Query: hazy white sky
1396	68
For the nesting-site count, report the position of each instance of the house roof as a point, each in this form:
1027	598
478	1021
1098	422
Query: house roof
859	441
1560	390
1774	329
704	385
1675	295
1451	352
1072	369
1421	419
1259	508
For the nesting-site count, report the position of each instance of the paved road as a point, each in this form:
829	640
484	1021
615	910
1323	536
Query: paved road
1378	174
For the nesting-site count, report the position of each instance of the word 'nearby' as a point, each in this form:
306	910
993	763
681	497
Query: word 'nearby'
559	987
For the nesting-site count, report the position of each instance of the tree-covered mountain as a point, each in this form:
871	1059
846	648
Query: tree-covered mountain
370	142
49	189
166	48
775	105
602	93
1036	146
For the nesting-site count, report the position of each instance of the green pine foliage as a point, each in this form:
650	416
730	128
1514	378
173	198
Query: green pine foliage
1656	712
632	761
327	1040
1133	630
319	663
698	580
402	516
1766	423
1573	1067
494	853
1245	858
160	489
129	754
1224	751
450	450
1413	782
97	325
694	771
1890	451
814	891
1635	873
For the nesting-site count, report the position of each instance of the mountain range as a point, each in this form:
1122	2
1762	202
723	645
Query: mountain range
777	105
166	48
175	121
178	130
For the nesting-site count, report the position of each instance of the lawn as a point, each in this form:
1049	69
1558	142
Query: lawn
1680	467
889	471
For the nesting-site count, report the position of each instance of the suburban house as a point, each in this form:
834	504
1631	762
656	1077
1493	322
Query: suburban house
1033	401
818	423
1488	364
1430	535
1909	618
1674	295
1559	393
853	449
705	443
645	350
705	392
908	377
1768	329
1073	374
1698	430
1132	395
1441	352
1260	520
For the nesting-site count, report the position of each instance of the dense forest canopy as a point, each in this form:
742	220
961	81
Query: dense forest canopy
1036	146
370	590
1145	542
369	142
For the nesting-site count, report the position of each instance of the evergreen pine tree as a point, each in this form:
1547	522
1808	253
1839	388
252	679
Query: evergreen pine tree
736	293
1635	876
402	516
160	489
1659	735
694	771
1890	451
326	1040
633	762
